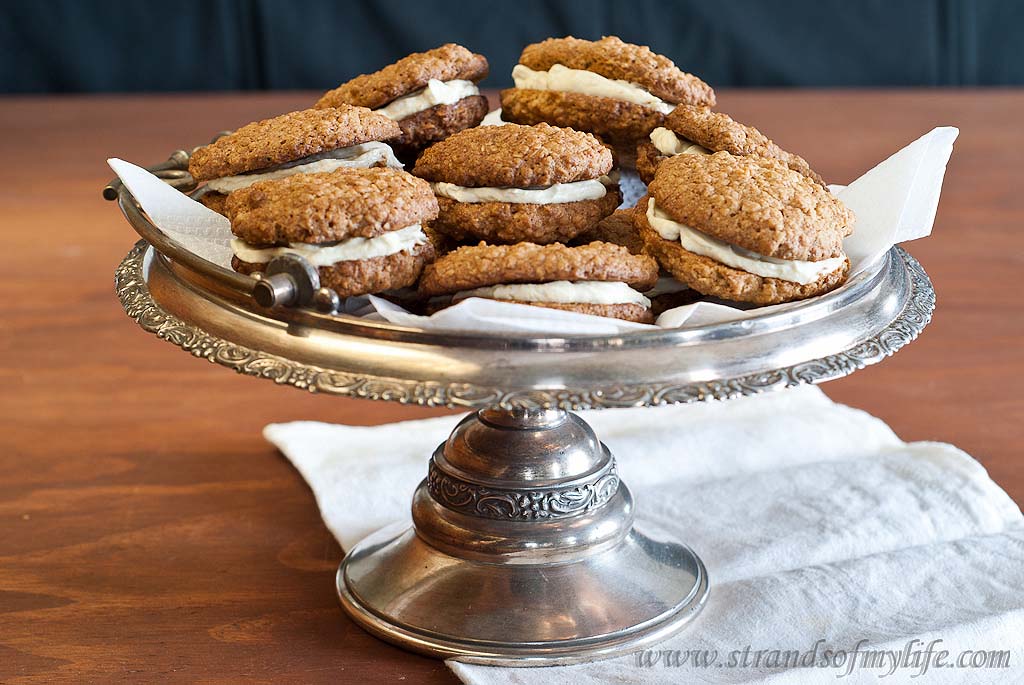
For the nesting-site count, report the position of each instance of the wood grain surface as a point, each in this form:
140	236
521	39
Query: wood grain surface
149	534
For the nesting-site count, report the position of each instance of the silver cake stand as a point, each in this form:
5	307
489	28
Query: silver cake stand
525	548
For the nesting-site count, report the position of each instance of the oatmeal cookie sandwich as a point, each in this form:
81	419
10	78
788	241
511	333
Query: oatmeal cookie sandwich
747	229
698	130
511	183
304	142
615	90
620	229
361	228
430	94
600	278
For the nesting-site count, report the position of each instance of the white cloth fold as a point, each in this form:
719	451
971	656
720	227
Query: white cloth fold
817	524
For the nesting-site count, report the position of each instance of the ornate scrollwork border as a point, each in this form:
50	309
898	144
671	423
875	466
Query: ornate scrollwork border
138	303
521	504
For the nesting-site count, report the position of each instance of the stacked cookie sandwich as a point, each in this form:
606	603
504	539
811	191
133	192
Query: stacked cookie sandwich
509	184
615	90
619	229
698	130
361	228
526	190
599	279
431	95
308	141
744	228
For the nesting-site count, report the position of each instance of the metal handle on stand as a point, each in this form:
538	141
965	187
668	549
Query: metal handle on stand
288	281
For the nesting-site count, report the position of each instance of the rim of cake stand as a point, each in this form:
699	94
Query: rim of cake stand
905	325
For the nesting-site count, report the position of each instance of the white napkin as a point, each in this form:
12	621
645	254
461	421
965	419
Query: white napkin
815	522
192	224
894	202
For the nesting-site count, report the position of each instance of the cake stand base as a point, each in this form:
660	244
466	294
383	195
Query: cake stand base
523	552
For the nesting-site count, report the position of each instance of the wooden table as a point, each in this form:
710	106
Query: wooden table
148	533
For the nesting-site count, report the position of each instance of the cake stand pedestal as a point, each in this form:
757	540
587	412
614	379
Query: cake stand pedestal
523	546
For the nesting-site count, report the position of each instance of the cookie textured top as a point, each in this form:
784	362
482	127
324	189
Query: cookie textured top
618	229
718	131
482	265
755	203
613	59
516	156
447	63
287	138
326	207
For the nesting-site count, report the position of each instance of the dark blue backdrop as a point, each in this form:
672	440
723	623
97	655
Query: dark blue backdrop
89	45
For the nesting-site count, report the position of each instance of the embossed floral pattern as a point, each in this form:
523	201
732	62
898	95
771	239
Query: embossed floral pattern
521	505
139	305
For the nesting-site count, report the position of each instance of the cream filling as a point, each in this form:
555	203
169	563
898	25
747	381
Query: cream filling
792	270
493	118
564	79
349	250
436	93
668	143
360	156
577	191
560	292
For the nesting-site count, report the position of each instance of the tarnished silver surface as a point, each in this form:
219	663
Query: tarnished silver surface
288	280
525	472
523	548
510	504
531	559
881	311
606	604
